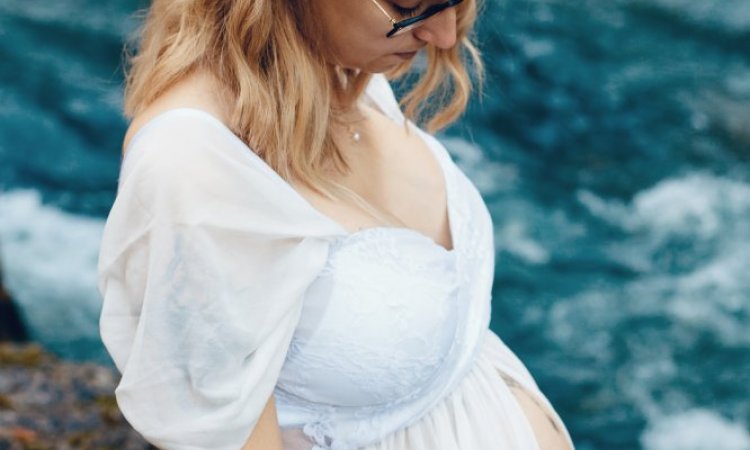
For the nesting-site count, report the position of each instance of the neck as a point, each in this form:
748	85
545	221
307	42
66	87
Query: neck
350	124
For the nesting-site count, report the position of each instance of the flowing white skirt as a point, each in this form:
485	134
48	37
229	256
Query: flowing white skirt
485	412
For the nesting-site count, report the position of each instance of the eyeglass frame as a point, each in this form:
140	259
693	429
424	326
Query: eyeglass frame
406	24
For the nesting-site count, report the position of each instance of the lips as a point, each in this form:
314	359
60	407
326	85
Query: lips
406	55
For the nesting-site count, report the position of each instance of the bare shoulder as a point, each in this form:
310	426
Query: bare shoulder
197	90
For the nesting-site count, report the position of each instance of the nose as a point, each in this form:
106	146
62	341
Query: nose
439	30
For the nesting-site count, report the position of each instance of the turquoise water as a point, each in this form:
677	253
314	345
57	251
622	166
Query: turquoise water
611	144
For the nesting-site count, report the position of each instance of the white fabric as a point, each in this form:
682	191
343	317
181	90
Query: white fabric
222	284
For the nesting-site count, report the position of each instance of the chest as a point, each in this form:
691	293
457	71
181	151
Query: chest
395	171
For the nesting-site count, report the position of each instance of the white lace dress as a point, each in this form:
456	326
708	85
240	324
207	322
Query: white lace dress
223	285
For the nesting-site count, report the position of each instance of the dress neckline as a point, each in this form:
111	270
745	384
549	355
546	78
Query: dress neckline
347	234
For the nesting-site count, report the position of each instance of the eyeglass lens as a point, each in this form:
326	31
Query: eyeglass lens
409	24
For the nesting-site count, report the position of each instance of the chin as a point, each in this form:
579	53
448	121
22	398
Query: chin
388	64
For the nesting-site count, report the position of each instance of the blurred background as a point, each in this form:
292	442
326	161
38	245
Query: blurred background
611	144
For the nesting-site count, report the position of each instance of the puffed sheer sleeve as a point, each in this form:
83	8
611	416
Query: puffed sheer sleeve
205	258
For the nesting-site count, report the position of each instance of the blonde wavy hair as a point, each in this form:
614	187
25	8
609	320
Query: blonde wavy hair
265	54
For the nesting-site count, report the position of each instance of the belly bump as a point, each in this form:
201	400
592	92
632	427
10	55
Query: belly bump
547	432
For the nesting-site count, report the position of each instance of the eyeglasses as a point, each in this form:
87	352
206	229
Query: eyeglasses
402	26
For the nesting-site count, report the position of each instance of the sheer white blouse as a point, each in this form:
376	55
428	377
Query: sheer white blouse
223	285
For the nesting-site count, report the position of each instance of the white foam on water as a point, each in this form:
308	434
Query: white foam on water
685	206
488	176
695	205
49	258
497	179
712	290
716	295
696	429
687	240
512	236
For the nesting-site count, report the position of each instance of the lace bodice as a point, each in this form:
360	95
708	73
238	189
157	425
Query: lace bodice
376	324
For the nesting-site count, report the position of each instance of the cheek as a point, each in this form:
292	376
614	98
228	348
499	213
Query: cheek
358	48
353	38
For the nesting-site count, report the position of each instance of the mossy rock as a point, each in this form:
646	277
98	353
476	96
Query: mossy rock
26	355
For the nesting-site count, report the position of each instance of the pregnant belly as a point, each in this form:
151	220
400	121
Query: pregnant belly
544	422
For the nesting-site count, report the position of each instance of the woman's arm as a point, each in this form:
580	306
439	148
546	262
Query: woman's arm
266	435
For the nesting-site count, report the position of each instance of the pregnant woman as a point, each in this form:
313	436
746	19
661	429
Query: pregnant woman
291	261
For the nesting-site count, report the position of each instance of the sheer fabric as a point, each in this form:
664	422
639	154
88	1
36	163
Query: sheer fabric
223	285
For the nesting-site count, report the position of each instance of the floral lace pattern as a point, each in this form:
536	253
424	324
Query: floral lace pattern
373	281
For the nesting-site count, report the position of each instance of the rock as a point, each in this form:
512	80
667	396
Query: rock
11	326
47	403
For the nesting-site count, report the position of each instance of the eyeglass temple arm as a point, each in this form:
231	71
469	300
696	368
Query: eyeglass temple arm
380	7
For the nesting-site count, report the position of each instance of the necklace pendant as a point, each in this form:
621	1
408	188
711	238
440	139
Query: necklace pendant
356	136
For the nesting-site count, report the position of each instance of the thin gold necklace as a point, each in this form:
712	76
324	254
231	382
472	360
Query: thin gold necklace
354	133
